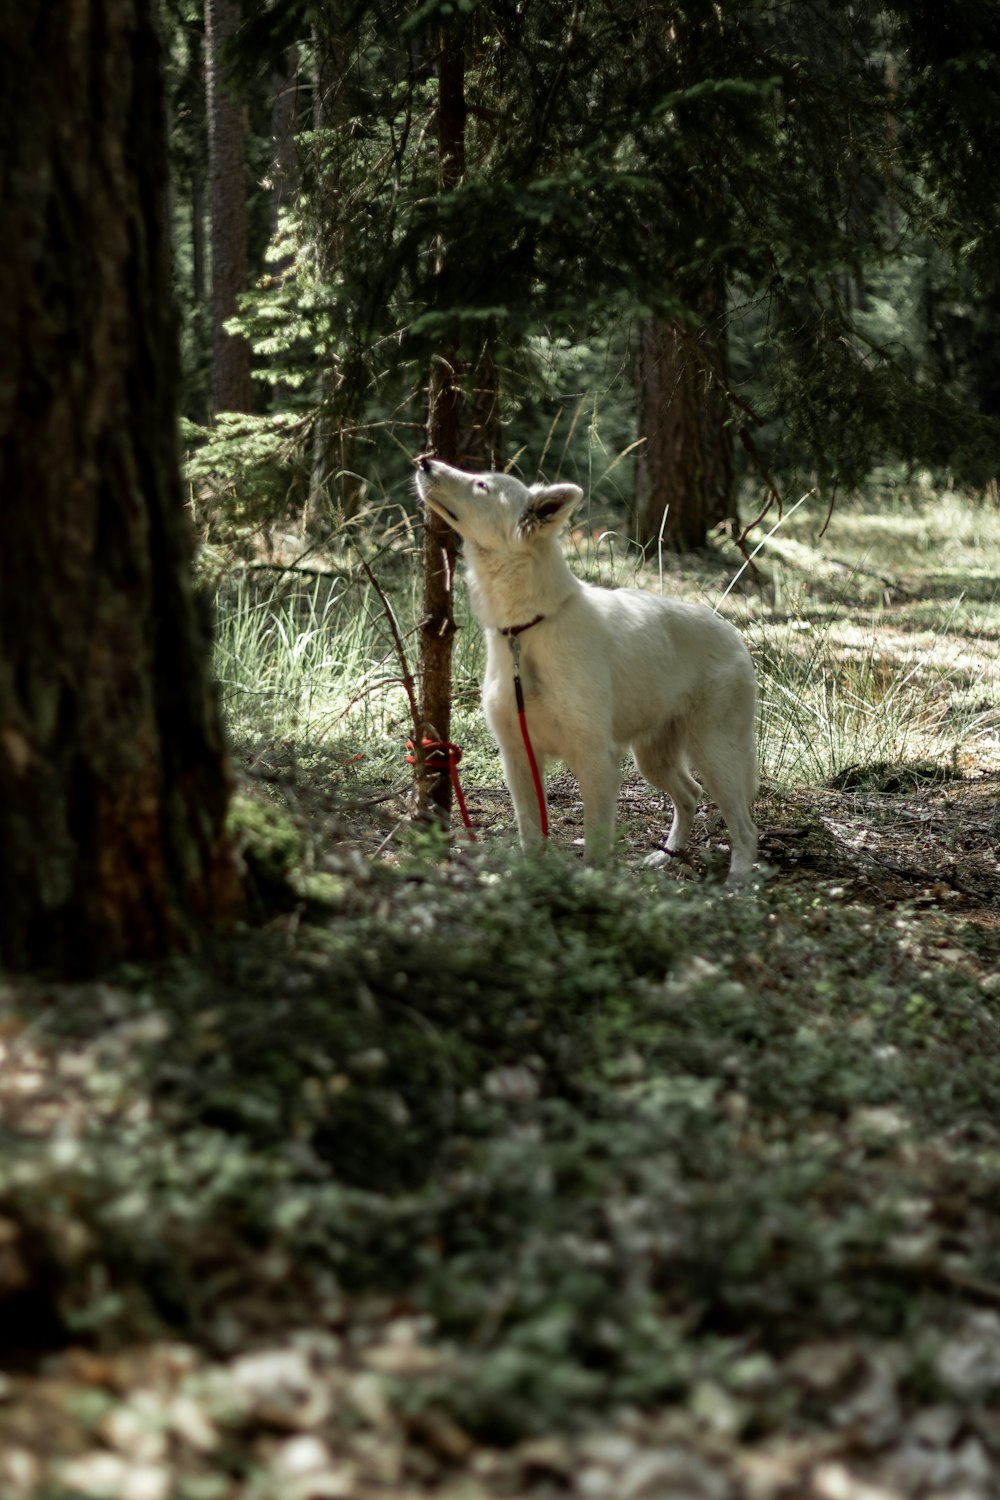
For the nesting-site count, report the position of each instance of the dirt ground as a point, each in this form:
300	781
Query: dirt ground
881	837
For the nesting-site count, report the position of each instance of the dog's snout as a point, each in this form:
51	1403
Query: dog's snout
424	463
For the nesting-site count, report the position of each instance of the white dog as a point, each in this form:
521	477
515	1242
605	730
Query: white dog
602	669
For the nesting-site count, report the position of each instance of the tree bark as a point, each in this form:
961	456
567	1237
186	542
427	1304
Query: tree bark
227	129
113	772
685	471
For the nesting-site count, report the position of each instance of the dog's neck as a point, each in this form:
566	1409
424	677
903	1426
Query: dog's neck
510	590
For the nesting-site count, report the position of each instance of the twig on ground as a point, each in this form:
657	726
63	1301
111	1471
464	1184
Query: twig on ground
890	583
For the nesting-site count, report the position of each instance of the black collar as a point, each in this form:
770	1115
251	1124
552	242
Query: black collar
512	631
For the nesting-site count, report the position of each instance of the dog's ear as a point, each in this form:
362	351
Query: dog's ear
549	506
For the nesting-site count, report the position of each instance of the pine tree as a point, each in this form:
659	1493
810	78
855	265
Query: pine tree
632	160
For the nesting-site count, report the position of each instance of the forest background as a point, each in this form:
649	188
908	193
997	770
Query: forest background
696	260
437	1172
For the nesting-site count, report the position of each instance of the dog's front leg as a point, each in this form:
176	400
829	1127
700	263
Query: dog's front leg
600	776
521	785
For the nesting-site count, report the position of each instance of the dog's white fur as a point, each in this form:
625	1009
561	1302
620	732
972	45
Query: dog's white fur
605	669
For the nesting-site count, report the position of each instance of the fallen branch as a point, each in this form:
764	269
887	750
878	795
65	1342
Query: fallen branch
889	583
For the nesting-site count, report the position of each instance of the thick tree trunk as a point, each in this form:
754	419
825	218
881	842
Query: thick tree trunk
227	131
684	474
113	776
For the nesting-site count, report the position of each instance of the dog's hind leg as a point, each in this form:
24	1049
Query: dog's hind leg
727	764
661	760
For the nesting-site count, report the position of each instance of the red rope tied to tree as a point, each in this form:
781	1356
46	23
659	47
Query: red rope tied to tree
442	757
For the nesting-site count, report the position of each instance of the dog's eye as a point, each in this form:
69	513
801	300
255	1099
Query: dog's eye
482	487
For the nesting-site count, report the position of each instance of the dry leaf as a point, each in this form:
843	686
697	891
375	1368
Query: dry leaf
281	1388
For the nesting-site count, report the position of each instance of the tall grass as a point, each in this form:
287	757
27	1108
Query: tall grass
839	689
319	662
296	664
849	687
829	705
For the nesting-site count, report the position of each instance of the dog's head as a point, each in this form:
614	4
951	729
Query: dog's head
494	511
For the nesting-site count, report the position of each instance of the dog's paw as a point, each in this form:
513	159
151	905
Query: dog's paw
748	880
675	860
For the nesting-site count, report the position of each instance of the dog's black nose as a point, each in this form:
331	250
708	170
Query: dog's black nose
423	462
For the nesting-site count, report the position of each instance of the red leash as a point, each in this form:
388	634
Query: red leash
513	632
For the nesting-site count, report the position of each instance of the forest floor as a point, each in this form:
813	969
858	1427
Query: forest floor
450	1174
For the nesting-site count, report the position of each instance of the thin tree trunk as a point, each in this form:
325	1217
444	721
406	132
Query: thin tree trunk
685	472
333	486
196	91
199	280
444	423
227	130
113	772
437	625
284	120
285	174
200	394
